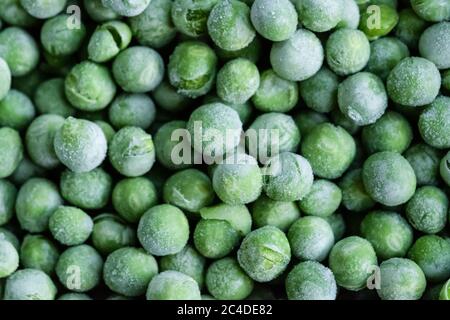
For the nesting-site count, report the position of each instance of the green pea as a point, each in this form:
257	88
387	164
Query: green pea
215	238
410	27
136	110
307	120
251	52
127	8
128	271
168	99
229	25
265	16
25	171
237	216
323	199
337	224
268	212
226	280
264	254
329	149
431	10
51	99
434	122
110	233
244	110
387	19
8	194
427	210
190	17
388	232
401	279
108	40
425	162
445	291
310	280
350	15
36	202
16	110
319	15
12	12
5	79
89	86
99	12
70	225
165	145
10	237
38	252
11	149
354	194
352	260
445	168
29	284
9	261
173	285
43	9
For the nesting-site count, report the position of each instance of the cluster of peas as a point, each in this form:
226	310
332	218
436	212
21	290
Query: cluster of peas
363	119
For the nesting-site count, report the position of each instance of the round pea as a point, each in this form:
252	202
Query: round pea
354	194
29	284
11	149
166	146
168	99
190	17
70	225
16	110
110	233
410	27
43	9
434	123
431	10
308	120
387	19
320	15
99	12
38	252
9	259
322	200
12	12
425	162
127	8
215	238
136	110
8	194
350	15
51	99
5	79
237	216
268	212
173	285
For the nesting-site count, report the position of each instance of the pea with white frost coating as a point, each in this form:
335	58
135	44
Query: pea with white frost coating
80	145
268	212
132	152
16	110
322	200
298	58
173	285
43	9
111	233
12	12
9	259
354	195
29	284
425	162
5	78
8	194
136	110
192	68
99	12
431	10
350	15
434	123
11	150
215	238
127	8
320	15
190	17
129	270
70	225
39	252
264	253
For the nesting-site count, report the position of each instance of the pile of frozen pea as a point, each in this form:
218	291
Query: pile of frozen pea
93	204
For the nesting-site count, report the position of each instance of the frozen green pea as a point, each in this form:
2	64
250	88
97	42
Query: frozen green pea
445	168
215	238
410	27
362	98
136	110
391	132
425	162
352	261
192	68
111	233
389	178
298	58
187	261
99	12
8	194
307	120
79	268
132	152
128	271
138	69
163	230
311	280
165	146
401	279
38	252
9	259
132	197
354	195
444	294
43	9
320	91
329	149
434	123
39	140
251	52
323	199
214	120
311	238
108	40
6	234
244	110
275	20
275	94
337	224
237	216
29	284
385	54
427	211
16	110
350	15
387	19
25	171
229	25
127	8
388	232
226	280
168	99
414	82
268	212
264	253
319	15
154	26
59	39
80	145
89	86
271	134
50	98
431	10
189	189
74	296
12	12
237	81
70	225
11	151
288	177
347	51
432	254
36	201
173	285
19	49
238	182
190	17
5	79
